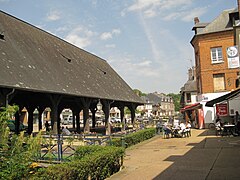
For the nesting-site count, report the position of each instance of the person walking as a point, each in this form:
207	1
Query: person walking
47	126
158	127
237	122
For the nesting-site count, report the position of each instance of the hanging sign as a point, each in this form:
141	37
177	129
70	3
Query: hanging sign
233	57
222	109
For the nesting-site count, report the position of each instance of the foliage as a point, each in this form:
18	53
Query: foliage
139	93
176	100
134	138
127	110
89	162
16	151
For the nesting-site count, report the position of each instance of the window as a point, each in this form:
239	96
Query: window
216	55
188	97
218	82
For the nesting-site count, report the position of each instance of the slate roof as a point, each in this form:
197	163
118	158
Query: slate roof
221	23
34	60
189	86
154	98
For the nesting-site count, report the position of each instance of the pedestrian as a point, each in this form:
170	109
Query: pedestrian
219	126
237	122
47	126
158	127
65	131
167	130
236	119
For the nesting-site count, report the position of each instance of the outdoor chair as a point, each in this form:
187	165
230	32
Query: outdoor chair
188	132
219	130
166	133
182	133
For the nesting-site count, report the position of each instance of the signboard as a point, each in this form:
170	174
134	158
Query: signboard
222	109
233	57
201	119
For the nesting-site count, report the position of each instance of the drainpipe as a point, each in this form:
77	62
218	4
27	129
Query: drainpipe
7	96
238	2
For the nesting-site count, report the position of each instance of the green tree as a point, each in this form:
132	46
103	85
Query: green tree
17	152
127	110
139	93
176	100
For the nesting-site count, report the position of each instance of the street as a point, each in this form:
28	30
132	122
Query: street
202	156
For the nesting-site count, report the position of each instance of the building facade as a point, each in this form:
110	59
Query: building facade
157	105
188	102
216	59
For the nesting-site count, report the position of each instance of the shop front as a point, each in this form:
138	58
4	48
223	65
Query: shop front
194	114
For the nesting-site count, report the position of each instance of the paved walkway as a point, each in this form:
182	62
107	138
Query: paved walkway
202	156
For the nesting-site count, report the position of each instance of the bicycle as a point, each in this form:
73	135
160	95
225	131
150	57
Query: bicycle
211	126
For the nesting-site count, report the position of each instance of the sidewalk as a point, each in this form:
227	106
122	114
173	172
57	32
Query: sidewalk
202	156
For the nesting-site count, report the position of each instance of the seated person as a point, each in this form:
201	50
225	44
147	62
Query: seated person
182	129
188	128
219	125
65	131
167	129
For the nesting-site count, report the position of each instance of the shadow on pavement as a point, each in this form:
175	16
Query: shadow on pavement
212	158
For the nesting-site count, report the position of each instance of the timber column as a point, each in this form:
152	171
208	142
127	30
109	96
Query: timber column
55	123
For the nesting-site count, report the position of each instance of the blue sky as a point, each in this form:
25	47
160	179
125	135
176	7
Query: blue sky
147	42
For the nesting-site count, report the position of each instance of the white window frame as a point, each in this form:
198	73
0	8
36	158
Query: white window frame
216	55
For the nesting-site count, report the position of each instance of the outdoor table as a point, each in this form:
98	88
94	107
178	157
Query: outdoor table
175	131
228	128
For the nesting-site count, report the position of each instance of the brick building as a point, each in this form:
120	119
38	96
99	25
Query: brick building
216	72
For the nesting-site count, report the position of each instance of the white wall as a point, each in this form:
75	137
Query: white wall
209	112
233	106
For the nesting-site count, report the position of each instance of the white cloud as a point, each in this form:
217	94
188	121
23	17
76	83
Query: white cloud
110	45
150	13
109	35
158	4
145	63
196	12
175	9
106	35
80	37
129	66
62	29
116	31
143	4
186	15
53	15
145	75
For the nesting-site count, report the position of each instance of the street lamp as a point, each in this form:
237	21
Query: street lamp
99	105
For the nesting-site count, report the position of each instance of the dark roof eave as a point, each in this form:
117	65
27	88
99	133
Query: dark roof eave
223	98
68	94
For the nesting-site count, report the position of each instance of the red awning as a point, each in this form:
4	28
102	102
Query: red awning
191	107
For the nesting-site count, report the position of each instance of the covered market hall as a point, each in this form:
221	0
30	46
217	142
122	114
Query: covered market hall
40	70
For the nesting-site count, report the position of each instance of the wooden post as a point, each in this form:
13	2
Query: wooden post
30	110
55	123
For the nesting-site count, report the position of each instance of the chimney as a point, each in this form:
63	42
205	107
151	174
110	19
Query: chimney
190	74
196	20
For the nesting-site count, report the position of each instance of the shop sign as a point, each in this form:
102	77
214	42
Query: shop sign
233	57
222	109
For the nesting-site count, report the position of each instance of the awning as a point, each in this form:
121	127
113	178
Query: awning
191	107
223	98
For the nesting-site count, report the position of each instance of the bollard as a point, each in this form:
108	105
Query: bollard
59	147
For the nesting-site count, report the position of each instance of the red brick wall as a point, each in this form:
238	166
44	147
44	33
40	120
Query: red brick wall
205	69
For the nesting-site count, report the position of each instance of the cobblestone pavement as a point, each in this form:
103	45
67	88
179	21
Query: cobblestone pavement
201	156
